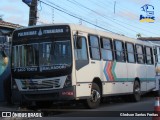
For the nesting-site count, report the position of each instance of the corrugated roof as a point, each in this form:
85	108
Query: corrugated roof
9	25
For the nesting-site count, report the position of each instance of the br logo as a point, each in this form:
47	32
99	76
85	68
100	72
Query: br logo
148	14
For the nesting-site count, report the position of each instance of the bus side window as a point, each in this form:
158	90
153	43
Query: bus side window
81	50
94	47
107	49
149	55
119	51
140	54
130	52
81	54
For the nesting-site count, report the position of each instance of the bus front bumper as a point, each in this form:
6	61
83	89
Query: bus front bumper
45	95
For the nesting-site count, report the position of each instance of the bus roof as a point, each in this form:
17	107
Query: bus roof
93	31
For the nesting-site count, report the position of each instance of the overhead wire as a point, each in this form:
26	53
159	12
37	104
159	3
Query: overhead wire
100	22
124	33
125	8
75	16
85	20
107	17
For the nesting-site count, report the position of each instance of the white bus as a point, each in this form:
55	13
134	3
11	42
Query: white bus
157	66
72	62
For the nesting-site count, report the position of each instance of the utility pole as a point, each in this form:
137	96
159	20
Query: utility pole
114	7
53	16
33	13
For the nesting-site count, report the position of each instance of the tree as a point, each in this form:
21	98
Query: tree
138	35
1	17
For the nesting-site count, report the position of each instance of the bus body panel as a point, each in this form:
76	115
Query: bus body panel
120	70
157	66
86	74
116	77
118	88
132	71
157	49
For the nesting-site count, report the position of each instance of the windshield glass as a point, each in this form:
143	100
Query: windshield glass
42	54
58	52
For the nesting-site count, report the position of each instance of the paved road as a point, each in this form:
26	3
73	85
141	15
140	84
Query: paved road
116	107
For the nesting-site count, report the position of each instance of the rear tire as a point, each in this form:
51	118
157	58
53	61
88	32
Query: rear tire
136	92
95	99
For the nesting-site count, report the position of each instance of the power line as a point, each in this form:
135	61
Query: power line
75	2
113	20
121	31
87	20
92	23
115	28
125	9
75	16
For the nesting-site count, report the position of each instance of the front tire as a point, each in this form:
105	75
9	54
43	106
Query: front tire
95	99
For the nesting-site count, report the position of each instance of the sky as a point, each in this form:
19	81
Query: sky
124	19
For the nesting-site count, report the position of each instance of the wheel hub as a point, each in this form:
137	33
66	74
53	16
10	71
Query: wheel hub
137	90
95	95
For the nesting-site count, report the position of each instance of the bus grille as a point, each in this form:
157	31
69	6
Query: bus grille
40	84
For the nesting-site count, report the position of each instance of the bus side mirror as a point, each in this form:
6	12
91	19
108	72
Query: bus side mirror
79	43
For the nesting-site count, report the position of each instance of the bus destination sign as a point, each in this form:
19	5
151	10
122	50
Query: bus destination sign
40	32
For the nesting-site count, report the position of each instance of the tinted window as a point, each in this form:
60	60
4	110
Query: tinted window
130	47
94	47
139	49
94	41
139	54
106	43
149	55
81	54
119	45
119	51
107	53
130	52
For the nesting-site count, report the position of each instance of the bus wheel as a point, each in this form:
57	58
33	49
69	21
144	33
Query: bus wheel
95	99
136	92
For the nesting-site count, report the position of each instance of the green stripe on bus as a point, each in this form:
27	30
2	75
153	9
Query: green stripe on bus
126	79
113	70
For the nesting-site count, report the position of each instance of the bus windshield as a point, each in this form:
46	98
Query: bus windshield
42	54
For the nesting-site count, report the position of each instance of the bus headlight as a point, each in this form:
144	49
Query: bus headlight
68	81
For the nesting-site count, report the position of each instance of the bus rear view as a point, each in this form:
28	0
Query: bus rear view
42	64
